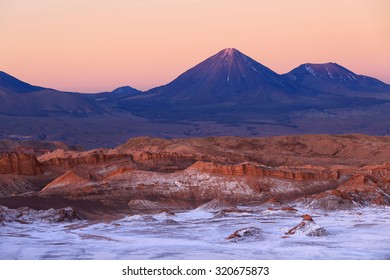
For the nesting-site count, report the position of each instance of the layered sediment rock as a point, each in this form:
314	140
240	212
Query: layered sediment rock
70	159
180	189
184	189
325	170
19	164
256	170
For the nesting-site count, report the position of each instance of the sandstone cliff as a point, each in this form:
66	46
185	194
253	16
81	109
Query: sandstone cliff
19	164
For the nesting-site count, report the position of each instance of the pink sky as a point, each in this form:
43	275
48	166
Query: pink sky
98	45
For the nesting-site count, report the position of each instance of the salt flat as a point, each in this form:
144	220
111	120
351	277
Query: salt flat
361	233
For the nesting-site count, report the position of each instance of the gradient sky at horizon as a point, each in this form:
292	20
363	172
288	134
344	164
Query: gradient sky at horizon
98	45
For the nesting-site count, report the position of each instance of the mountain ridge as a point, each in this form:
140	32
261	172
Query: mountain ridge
332	77
231	63
228	93
10	83
19	98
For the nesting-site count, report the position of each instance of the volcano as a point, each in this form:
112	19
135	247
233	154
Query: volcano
226	77
228	93
230	78
231	88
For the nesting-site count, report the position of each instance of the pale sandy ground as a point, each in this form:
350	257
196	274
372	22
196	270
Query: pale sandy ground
361	233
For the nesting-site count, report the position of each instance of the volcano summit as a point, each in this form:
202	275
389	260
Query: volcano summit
228	76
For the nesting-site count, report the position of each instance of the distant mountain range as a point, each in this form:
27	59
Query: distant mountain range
228	77
229	89
230	74
18	98
230	81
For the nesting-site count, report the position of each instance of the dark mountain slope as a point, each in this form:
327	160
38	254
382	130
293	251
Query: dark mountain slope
227	77
18	98
10	83
335	79
229	86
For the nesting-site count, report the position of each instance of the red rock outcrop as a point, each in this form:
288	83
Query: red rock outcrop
322	150
183	189
186	173
370	186
362	189
308	227
193	186
256	170
63	184
70	159
19	164
163	162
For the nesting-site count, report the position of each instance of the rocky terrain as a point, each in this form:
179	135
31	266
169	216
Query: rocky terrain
254	232
25	215
20	171
323	171
220	197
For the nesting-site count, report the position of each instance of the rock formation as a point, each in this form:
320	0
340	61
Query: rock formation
244	234
370	186
19	164
21	173
28	215
217	205
325	171
308	227
142	204
331	200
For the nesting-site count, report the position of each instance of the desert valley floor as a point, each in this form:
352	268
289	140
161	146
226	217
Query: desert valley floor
204	234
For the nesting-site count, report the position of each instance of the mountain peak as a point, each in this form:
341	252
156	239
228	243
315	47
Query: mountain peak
324	71
227	76
230	51
330	70
230	54
332	77
125	90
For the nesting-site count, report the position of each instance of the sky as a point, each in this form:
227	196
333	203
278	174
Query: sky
99	45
